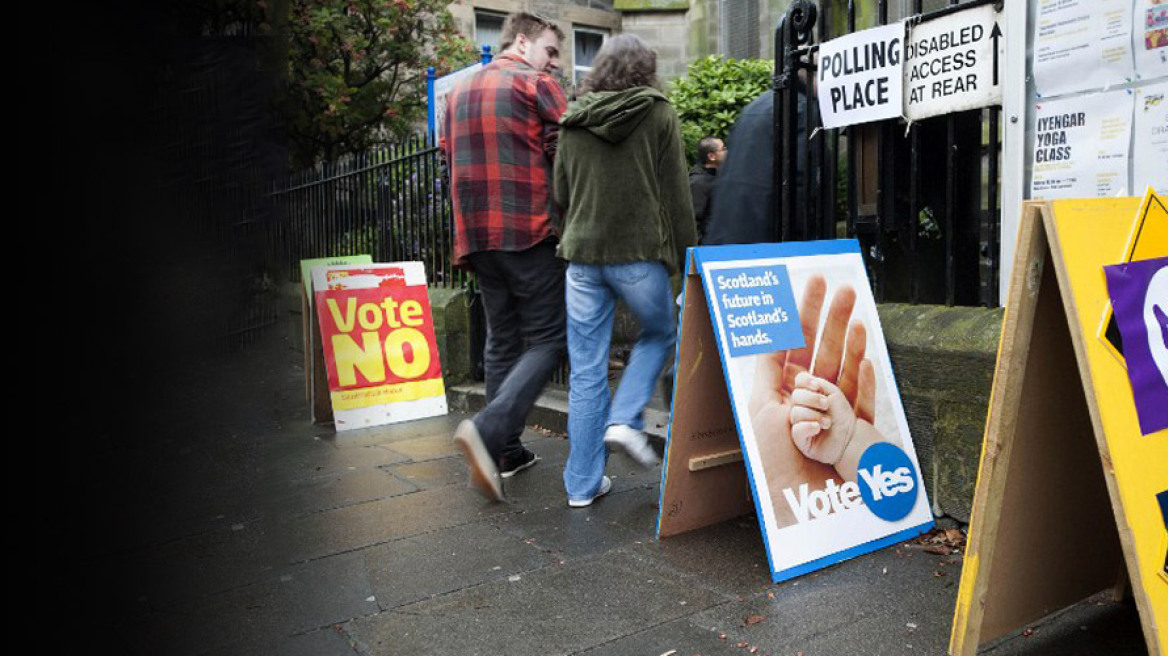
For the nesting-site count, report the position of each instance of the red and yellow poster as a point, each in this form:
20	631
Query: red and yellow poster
379	344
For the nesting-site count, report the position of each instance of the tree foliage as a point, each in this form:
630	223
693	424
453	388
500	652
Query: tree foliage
357	71
712	93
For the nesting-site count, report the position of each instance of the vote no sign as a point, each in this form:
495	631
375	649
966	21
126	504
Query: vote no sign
379	343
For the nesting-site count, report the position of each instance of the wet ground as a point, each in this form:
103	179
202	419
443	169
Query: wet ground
222	521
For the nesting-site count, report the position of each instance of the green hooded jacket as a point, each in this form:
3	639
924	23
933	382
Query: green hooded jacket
621	180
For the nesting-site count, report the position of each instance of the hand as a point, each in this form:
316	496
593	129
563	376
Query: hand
823	423
840	361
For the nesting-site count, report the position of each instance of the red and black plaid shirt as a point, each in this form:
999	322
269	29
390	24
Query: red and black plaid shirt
499	139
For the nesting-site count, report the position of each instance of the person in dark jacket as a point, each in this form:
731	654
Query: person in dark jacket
620	178
742	209
711	152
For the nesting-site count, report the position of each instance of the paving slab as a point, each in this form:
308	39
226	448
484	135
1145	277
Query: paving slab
369	524
554	610
421	567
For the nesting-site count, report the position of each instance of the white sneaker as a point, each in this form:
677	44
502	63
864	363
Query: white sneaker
633	442
605	486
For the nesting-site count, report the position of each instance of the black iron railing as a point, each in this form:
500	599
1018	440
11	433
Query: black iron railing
390	203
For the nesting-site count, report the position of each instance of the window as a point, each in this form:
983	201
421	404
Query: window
488	29
587	43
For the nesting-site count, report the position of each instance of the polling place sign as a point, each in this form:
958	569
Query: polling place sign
953	62
860	77
379	343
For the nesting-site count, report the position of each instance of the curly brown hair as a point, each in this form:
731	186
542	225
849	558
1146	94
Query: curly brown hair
624	61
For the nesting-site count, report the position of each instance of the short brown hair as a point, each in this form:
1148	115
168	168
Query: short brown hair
528	25
624	61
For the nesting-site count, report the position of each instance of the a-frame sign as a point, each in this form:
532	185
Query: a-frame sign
1070	491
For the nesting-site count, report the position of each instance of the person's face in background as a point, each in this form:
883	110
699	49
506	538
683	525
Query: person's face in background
716	158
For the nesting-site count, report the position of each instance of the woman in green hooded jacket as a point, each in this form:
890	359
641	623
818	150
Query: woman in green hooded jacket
621	182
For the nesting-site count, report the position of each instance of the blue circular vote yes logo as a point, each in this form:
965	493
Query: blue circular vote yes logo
888	481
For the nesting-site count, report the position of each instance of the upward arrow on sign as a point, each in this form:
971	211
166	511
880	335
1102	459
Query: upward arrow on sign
996	34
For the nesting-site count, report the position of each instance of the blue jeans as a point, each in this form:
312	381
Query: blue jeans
592	291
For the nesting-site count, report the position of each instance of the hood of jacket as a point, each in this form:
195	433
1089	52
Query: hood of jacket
612	115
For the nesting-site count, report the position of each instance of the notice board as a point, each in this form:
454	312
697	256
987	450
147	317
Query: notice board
1072	480
785	402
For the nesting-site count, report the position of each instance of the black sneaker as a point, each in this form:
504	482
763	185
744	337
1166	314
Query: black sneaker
509	467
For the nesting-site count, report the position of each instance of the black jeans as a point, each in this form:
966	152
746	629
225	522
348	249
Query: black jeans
523	299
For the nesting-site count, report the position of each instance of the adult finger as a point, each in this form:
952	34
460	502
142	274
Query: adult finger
866	392
831	343
809	309
768	380
853	355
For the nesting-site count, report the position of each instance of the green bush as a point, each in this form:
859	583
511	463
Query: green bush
713	92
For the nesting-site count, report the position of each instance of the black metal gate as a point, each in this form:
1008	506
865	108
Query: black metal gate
922	199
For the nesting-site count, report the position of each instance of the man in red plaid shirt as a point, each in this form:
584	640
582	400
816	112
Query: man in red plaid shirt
499	140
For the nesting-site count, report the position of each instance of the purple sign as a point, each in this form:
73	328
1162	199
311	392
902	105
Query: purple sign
1139	298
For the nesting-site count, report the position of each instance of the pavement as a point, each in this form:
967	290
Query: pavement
219	520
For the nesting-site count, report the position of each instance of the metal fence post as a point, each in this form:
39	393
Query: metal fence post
792	32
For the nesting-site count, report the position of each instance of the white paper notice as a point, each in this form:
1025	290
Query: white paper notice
1150	37
1081	45
861	76
954	63
1150	137
1081	146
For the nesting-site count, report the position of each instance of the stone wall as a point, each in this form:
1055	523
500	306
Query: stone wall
666	33
943	359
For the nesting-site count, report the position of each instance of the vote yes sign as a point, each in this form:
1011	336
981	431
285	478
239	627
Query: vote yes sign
379	343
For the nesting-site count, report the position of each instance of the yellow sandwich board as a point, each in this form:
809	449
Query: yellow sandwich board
1071	491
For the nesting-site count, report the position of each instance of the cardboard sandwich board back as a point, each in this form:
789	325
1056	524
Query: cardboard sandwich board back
702	431
1066	499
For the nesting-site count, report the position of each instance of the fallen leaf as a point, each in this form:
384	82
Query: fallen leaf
753	619
940	550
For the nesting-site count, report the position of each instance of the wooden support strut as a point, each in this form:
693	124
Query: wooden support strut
711	460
